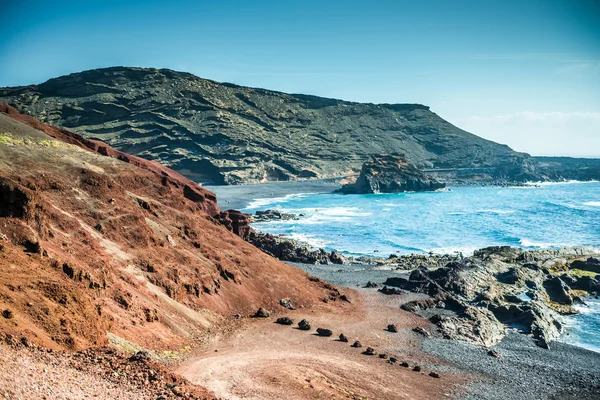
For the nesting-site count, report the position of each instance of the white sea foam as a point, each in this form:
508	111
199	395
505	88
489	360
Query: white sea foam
500	212
592	203
311	240
466	251
570	182
260	203
344	212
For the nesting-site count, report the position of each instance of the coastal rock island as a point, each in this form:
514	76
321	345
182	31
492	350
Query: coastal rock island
391	173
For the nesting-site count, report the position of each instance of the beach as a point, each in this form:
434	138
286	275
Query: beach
522	371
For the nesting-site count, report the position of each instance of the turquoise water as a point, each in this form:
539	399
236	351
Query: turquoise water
462	219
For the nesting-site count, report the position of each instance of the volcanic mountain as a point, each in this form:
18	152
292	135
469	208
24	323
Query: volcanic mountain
228	134
94	241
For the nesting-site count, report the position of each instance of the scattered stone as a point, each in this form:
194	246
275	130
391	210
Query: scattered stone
393	360
494	353
371	285
286	303
304	325
343	338
357	344
262	313
140	356
434	375
324	332
345	298
8	314
417	368
404	364
370	351
390	290
383	355
285	321
392	328
421	331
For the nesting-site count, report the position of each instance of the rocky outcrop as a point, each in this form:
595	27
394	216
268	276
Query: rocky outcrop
391	174
291	250
473	299
229	134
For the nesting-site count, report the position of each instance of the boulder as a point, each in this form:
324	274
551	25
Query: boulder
371	285
370	351
324	332
262	313
357	344
434	375
286	303
417	368
285	321
304	325
343	338
392	328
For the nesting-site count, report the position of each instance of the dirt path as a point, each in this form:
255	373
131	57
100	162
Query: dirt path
271	361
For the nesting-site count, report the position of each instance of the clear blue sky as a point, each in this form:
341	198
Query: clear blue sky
521	72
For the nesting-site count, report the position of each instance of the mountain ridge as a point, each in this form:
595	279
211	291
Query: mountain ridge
224	133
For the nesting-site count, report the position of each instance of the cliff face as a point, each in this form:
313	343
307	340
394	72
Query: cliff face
93	240
227	134
391	174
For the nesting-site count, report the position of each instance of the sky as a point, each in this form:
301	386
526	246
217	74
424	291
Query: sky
521	72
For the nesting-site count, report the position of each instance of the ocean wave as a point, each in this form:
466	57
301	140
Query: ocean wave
539	245
592	203
466	251
309	239
492	211
570	182
344	212
262	202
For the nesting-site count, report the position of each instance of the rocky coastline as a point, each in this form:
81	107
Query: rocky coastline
471	298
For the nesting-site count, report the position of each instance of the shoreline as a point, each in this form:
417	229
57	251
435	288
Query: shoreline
524	371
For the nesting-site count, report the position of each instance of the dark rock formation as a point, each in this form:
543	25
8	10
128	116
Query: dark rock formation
285	321
304	325
370	351
357	344
290	250
229	134
591	264
497	286
392	328
391	174
272	215
343	338
324	332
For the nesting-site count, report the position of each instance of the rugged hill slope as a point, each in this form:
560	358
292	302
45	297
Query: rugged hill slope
94	241
222	133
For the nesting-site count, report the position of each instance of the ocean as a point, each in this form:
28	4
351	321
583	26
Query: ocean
460	219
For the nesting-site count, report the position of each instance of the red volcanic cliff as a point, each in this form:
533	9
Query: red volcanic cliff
93	240
207	201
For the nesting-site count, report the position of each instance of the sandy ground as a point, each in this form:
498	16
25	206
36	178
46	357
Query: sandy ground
270	361
21	372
